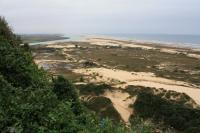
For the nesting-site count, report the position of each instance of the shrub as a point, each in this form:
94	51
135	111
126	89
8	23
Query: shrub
64	89
103	107
176	115
93	89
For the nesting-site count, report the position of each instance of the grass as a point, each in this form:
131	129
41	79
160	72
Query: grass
74	77
136	59
176	66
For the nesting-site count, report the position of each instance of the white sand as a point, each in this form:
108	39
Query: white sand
131	45
170	51
105	44
115	43
52	61
194	55
144	79
60	46
175	51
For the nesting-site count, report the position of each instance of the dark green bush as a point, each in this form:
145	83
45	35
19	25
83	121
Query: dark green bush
103	107
176	115
18	68
64	89
94	89
6	33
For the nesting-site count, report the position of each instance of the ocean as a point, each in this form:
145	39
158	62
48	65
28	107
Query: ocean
169	39
192	41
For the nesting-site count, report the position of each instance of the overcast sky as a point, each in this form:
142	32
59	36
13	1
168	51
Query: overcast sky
102	16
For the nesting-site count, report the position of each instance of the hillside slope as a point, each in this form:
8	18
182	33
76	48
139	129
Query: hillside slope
31	101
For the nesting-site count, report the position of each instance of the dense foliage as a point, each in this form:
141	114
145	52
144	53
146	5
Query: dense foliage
92	89
6	32
171	113
30	101
103	107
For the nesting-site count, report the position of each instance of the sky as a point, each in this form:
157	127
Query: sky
102	16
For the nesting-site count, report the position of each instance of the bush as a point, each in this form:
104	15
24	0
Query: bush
103	107
178	116
64	89
18	68
94	89
6	33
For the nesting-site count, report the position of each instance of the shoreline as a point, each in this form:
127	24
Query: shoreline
49	42
111	42
150	43
153	43
190	52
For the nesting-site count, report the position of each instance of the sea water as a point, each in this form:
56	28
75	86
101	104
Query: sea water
170	39
192	41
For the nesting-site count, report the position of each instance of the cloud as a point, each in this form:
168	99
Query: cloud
102	16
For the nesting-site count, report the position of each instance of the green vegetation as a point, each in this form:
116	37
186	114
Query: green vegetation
161	109
103	107
64	89
175	115
171	66
138	124
89	64
7	34
174	66
172	96
31	102
92	89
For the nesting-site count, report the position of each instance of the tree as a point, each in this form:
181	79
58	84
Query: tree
6	32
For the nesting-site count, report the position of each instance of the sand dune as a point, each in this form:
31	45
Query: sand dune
115	43
121	102
143	79
194	55
61	46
